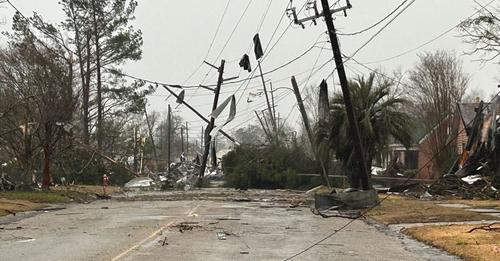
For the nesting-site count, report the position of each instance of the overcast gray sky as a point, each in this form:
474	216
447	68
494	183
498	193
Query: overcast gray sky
177	36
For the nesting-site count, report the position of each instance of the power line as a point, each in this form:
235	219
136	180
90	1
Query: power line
212	42
377	23
229	38
431	40
381	29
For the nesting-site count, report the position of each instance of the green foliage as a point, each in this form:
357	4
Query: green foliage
379	117
270	167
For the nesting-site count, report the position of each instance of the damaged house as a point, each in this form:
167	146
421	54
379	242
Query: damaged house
475	128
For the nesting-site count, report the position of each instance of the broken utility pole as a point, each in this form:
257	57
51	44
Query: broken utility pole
305	119
212	120
364	174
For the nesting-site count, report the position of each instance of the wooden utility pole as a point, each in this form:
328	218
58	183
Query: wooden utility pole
358	146
305	119
302	110
169	135
135	149
272	101
202	145
268	136
187	140
214	154
150	130
212	120
182	139
269	109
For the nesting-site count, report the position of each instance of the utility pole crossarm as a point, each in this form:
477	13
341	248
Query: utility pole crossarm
199	114
318	14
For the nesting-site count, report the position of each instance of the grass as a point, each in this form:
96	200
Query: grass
479	245
397	209
18	201
36	196
89	189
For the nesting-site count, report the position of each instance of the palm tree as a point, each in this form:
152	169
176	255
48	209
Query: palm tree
379	116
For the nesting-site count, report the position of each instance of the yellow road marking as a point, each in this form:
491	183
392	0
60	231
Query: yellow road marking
142	241
189	213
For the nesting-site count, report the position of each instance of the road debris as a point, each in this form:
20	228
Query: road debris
221	235
227	218
491	227
187	226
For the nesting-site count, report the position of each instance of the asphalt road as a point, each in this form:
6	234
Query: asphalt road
198	230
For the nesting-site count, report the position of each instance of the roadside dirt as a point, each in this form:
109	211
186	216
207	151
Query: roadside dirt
8	207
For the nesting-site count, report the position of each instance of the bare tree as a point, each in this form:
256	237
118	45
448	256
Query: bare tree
483	32
29	69
437	84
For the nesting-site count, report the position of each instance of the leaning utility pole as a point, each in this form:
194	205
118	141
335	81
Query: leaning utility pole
353	124
202	144
302	110
272	103
268	136
358	146
169	135
212	119
269	109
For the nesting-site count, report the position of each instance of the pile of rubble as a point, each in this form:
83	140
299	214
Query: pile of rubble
182	175
477	188
476	172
